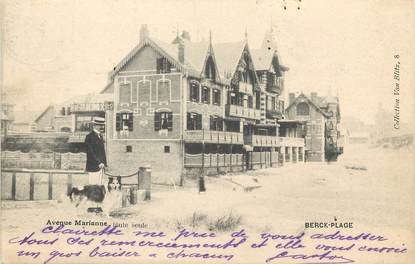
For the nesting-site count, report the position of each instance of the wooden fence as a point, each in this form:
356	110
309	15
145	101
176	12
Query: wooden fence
35	184
254	159
48	160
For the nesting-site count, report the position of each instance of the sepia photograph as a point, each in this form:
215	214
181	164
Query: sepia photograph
192	131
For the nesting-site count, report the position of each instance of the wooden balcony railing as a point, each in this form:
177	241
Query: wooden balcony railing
273	141
244	112
208	136
87	107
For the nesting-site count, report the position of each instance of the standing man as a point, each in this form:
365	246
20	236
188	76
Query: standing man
96	159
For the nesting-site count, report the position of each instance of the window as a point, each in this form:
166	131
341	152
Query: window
210	69
166	149
163	120
124	122
240	99
129	148
163	65
206	95
194	91
125	93
303	109
250	101
257	100
194	121
216	123
273	106
232	98
62	112
216	97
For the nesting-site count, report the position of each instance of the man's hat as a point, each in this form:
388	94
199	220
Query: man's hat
98	120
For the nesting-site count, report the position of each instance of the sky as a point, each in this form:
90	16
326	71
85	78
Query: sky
53	50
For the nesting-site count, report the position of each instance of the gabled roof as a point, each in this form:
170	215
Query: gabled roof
227	57
49	108
303	96
170	51
195	54
263	59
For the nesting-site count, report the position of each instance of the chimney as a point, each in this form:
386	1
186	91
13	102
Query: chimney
144	33
185	35
314	97
181	52
291	98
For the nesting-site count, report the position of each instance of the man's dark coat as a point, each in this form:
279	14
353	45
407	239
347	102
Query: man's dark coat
95	152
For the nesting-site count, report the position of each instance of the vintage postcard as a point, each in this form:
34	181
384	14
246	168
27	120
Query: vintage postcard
224	131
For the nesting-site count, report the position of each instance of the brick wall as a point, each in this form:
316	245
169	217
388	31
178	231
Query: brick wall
166	167
149	93
315	139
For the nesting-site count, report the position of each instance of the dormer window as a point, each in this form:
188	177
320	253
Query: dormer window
163	65
210	72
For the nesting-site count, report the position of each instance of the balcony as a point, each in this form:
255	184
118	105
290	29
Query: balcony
273	114
274	89
243	112
87	107
273	141
245	88
215	137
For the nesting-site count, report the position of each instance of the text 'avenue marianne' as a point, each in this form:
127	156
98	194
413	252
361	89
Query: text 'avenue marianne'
329	246
396	92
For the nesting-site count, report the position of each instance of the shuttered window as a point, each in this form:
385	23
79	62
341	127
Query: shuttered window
216	123
194	92
163	65
194	121
163	120
124	122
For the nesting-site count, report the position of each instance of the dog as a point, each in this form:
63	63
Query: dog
108	196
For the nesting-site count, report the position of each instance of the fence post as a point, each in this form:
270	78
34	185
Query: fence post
145	173
14	186
50	184
32	186
69	183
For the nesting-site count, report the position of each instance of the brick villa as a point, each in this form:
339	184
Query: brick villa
167	103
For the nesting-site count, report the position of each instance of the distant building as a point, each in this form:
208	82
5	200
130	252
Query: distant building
6	115
74	115
321	116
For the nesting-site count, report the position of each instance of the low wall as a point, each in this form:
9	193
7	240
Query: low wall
29	185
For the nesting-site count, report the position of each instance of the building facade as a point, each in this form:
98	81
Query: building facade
321	116
185	107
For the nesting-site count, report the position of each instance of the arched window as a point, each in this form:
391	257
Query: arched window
303	109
